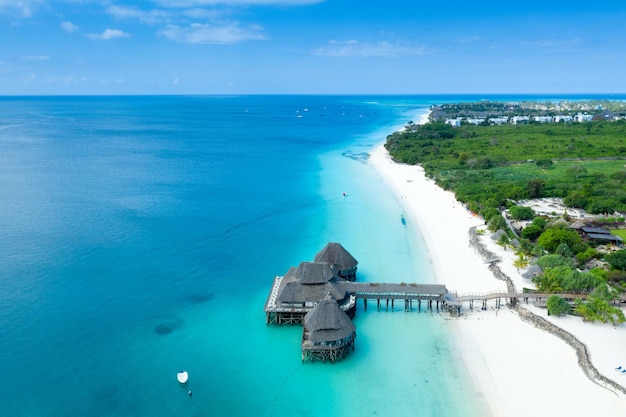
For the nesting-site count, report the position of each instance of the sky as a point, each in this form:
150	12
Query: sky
110	47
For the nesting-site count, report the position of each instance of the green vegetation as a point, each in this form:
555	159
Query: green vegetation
598	307
488	165
490	168
557	306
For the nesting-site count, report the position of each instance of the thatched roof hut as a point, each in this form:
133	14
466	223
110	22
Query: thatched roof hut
309	283
578	224
532	272
337	255
328	332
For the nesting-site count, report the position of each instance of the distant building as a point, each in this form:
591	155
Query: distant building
499	120
454	122
563	118
600	235
518	120
543	119
583	117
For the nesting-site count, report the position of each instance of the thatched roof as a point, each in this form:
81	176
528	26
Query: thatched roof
326	322
578	224
336	254
497	235
309	283
560	221
532	272
315	272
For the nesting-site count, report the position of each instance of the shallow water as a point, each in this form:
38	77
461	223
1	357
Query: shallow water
140	235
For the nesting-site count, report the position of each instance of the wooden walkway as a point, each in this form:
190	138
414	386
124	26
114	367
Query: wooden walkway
431	294
454	302
386	294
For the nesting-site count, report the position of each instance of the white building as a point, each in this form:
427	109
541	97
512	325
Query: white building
580	117
543	119
498	120
563	118
454	122
516	120
474	121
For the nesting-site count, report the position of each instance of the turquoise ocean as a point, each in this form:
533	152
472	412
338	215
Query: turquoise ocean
139	236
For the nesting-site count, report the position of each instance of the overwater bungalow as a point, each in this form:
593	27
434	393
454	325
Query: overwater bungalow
337	255
300	289
328	333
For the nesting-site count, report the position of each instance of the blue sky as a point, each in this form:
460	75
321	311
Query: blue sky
311	47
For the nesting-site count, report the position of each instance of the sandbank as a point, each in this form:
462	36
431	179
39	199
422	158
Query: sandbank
518	369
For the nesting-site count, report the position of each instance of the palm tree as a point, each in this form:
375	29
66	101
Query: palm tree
504	240
520	262
548	283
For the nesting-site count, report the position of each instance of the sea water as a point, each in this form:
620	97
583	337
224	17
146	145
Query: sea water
139	236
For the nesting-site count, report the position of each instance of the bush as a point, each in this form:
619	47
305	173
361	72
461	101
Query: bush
497	223
553	261
540	222
617	260
522	213
601	205
531	232
557	306
586	256
564	250
552	237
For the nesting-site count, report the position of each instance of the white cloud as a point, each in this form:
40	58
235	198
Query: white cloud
199	3
225	33
150	17
69	27
176	81
471	39
21	8
551	43
352	48
211	14
36	57
108	34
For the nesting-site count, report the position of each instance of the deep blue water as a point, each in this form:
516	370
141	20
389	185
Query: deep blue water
140	236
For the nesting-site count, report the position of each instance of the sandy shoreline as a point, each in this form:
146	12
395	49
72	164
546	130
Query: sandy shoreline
517	368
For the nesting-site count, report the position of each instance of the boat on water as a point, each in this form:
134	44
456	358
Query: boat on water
182	377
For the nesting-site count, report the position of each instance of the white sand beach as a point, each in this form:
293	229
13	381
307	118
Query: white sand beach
518	369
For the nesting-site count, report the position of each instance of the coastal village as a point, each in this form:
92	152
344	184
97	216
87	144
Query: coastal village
517	113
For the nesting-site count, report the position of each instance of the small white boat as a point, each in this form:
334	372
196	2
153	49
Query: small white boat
182	377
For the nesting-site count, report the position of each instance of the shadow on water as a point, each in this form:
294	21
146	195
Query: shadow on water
198	298
168	325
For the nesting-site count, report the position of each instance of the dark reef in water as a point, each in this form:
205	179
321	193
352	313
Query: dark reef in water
168	325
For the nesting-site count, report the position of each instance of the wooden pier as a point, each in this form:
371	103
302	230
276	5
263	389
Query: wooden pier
454	302
322	296
431	294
